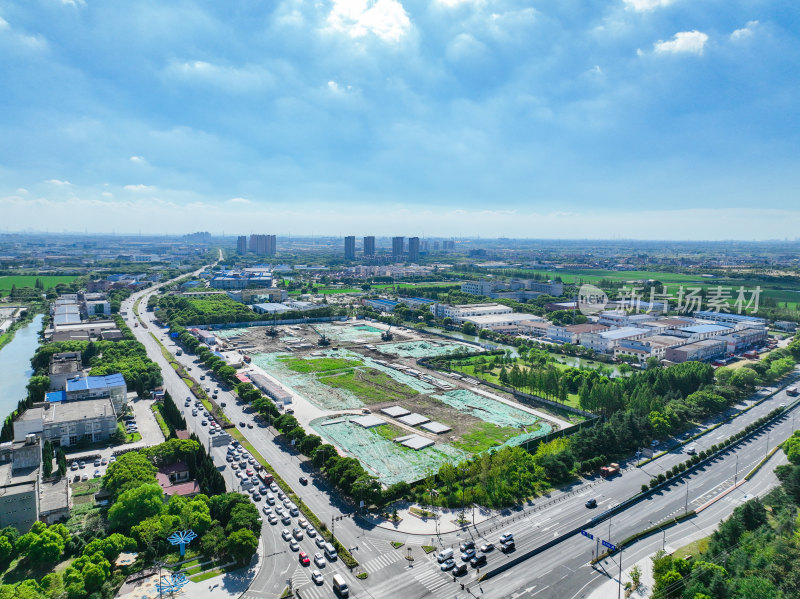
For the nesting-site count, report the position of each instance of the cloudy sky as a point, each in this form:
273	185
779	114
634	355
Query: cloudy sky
665	119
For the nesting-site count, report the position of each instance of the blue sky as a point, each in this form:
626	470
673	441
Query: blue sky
653	119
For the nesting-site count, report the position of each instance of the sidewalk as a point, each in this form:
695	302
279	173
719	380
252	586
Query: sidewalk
445	520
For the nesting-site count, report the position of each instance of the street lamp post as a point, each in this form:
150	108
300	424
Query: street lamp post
686	506
766	450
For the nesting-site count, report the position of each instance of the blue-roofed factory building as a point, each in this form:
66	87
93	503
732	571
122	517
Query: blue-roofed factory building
97	387
382	305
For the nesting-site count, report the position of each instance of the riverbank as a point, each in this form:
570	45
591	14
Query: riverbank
15	364
8	336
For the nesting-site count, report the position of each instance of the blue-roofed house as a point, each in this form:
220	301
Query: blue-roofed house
95	387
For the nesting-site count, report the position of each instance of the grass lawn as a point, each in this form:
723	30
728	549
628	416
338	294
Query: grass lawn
694	549
484	436
162	424
318	364
369	385
49	281
388	431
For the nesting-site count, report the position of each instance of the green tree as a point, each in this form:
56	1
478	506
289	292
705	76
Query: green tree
214	542
131	470
37	387
135	505
242	544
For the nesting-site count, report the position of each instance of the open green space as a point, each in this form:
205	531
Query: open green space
318	364
369	385
388	431
49	281
485	436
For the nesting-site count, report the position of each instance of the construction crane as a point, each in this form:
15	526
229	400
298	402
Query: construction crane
387	334
323	340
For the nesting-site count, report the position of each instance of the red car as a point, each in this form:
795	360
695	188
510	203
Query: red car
249	472
304	558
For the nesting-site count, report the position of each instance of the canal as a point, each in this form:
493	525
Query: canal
15	365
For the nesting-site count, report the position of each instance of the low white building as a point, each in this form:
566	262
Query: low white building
461	313
605	341
494	322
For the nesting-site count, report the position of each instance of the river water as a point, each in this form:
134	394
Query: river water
15	365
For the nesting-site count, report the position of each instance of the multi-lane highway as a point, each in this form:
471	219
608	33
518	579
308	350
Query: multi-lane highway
541	520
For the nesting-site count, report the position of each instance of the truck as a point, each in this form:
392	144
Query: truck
610	470
792	392
265	477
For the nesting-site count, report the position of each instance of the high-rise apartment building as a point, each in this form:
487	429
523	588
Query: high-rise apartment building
413	249
397	246
350	247
369	245
241	244
263	245
449	245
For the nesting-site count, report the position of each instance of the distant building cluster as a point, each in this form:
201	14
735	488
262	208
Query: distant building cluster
401	251
261	245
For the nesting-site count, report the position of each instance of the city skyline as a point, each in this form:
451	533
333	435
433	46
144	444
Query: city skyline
645	119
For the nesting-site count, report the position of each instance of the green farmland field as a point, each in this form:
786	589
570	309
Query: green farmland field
49	281
26	281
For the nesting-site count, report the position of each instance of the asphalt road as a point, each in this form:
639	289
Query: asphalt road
391	575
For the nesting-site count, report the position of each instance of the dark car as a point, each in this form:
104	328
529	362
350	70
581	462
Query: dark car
303	480
460	570
467	545
478	560
508	547
592	503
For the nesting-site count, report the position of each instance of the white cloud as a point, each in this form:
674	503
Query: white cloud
238	201
22	190
452	3
387	19
3	23
684	42
227	78
137	159
647	5
75	3
465	47
58	182
107	194
745	31
139	187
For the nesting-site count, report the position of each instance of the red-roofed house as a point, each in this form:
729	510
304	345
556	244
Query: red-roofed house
174	480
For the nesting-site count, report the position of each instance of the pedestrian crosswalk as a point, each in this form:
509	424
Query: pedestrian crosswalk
430	577
313	591
382	561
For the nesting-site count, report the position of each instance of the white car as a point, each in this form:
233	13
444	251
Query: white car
286	534
316	577
319	560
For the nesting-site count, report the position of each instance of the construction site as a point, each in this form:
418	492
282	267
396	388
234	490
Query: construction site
359	386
